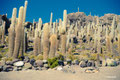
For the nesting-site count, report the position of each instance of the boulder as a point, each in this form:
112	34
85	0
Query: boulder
1	68
32	61
27	66
91	70
60	63
46	66
45	62
83	64
7	68
19	64
75	62
59	68
26	59
39	63
9	63
2	63
89	64
15	60
104	63
111	62
69	61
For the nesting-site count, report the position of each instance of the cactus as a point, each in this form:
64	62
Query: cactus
25	8
3	33
12	33
36	42
119	38
98	39
53	41
24	34
63	41
19	36
46	41
107	41
65	19
0	33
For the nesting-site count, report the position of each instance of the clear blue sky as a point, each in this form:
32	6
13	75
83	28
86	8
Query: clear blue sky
43	8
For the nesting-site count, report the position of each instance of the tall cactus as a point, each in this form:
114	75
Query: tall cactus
12	33
108	41
3	33
19	36
119	38
36	42
53	41
24	34
46	41
65	19
63	42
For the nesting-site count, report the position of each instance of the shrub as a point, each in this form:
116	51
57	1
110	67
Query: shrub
93	57
8	59
72	57
83	47
0	56
60	57
39	57
31	56
53	62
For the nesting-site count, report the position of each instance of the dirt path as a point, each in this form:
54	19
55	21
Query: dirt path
106	73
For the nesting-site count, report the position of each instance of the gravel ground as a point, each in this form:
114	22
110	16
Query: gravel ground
106	73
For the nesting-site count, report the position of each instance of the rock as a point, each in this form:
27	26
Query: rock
19	64
60	63
46	66
89	64
7	68
9	63
39	63
36	68
15	60
91	70
67	69
32	61
19	68
45	62
26	59
59	68
65	63
83	64
104	63
27	66
2	63
75	62
1	68
111	62
69	61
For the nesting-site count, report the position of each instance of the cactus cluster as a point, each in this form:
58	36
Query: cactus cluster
62	36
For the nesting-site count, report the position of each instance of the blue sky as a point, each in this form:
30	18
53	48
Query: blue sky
42	8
